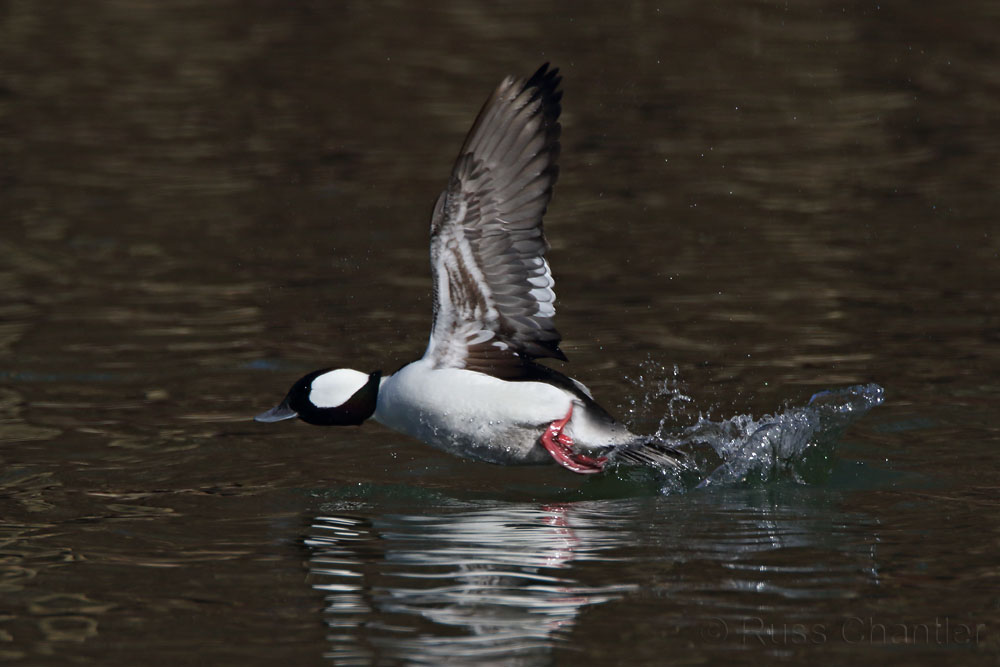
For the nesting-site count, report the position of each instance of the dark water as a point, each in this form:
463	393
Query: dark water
758	201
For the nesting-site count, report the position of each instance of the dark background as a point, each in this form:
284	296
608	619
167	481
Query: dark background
201	201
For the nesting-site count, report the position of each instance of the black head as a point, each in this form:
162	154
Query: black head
329	397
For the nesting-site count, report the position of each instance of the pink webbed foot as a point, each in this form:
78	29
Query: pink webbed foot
560	446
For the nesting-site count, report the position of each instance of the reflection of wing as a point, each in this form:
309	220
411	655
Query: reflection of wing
493	298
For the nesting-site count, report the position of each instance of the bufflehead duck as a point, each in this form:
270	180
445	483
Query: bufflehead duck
477	392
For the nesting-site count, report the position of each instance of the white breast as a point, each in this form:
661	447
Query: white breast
471	414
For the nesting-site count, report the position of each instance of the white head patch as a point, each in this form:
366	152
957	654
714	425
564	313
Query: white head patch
333	388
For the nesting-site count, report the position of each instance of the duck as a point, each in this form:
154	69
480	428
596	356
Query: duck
479	391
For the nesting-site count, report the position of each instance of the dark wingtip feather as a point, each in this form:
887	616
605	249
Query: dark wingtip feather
651	451
541	74
546	82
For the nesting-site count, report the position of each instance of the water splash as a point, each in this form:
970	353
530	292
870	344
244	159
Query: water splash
662	394
796	444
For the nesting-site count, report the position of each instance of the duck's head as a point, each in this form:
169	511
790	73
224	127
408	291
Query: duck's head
329	397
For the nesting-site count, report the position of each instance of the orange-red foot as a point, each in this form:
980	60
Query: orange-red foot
560	446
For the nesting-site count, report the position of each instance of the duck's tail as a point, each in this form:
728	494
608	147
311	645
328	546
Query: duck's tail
650	451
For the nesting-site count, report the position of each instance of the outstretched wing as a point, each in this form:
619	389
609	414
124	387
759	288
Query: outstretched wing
493	298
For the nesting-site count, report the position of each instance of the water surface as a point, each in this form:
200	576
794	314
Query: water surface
757	202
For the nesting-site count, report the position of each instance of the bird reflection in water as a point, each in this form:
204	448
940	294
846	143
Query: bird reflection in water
505	583
488	585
